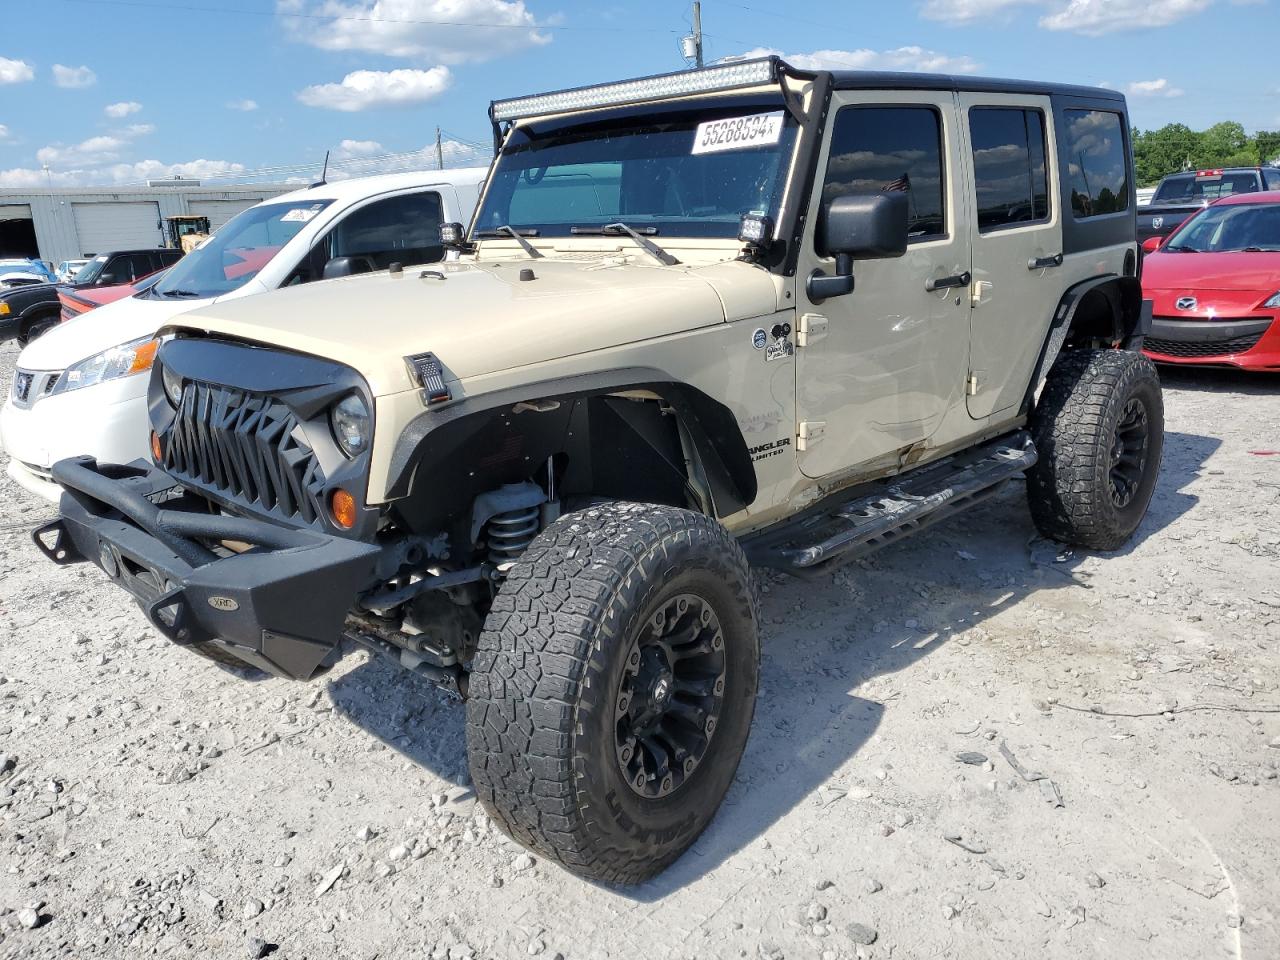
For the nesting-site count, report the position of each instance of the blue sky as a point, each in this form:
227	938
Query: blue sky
117	91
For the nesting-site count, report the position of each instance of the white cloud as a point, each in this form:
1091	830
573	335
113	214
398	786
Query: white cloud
15	71
1153	88
901	58
365	89
357	148
968	11
1089	17
455	155
139	129
1095	17
5	135
118	173
432	31
95	151
73	78
244	106
122	109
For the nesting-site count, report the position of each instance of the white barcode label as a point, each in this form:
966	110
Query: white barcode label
737	133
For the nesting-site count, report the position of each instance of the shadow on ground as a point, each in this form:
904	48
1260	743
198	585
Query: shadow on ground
821	640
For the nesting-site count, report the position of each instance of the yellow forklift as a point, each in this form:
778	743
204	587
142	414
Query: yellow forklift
185	231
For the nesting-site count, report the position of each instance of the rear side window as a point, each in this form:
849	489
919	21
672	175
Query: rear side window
1095	161
1272	179
403	229
1009	170
875	149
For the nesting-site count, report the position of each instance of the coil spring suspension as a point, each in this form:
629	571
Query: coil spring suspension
508	534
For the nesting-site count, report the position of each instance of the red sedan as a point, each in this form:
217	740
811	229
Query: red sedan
1215	283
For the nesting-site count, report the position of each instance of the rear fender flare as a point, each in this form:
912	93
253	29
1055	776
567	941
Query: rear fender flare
1108	308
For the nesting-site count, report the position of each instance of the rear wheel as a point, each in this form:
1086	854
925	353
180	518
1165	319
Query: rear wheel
1099	429
612	693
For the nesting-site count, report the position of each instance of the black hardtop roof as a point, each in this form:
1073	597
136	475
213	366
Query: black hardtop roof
962	83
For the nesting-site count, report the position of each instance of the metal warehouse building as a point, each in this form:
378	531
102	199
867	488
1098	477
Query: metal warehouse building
58	225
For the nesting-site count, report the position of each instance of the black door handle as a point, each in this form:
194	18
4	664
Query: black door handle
1043	263
942	283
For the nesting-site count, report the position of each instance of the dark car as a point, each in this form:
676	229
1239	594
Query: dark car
1182	194
26	312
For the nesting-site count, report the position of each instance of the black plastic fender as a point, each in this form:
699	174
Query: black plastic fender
1130	318
711	427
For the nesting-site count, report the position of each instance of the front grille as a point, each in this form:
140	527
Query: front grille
1198	349
30	385
246	448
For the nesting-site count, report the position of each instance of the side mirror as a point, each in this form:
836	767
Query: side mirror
346	267
107	279
866	227
1152	244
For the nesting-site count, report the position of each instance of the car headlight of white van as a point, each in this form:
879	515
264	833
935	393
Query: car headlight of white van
350	420
124	360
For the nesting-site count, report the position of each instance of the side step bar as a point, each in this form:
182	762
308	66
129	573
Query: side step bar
909	502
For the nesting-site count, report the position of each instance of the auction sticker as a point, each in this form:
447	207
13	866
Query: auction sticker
737	133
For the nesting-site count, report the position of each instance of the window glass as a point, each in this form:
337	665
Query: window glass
1243	227
650	171
140	265
242	246
1098	173
875	149
1193	188
1272	179
403	229
1009	167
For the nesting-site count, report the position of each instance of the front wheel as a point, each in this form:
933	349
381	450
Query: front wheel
36	329
1099	429
613	689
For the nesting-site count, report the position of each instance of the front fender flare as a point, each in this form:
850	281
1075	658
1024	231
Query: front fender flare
711	426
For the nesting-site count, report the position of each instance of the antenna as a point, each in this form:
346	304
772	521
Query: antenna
324	172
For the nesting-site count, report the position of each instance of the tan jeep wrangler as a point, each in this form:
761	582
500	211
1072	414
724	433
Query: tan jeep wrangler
745	313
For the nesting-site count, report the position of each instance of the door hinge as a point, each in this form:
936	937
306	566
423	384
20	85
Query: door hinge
971	385
810	434
813	327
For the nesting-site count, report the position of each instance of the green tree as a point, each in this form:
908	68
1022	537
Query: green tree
1268	145
1173	147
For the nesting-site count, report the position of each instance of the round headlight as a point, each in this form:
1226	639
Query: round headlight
350	421
172	385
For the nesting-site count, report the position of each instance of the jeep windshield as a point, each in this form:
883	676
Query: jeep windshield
685	171
237	251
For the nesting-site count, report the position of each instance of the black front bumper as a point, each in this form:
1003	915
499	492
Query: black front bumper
279	605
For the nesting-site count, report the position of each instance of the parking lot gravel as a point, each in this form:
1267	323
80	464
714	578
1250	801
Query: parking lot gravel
971	745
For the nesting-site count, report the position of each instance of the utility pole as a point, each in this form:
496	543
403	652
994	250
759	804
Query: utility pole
697	32
439	151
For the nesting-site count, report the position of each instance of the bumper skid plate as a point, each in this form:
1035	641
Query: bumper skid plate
277	598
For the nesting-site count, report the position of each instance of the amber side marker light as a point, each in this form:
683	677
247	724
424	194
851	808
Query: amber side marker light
157	452
144	357
343	506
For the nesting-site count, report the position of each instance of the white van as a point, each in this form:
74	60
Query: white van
78	389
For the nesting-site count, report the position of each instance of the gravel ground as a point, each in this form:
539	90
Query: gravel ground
153	804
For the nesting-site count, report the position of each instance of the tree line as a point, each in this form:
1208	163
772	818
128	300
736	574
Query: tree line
1176	146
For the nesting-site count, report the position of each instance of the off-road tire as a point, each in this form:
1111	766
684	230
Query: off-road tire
1088	398
547	680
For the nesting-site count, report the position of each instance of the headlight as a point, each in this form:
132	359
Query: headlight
350	420
172	385
1274	302
122	361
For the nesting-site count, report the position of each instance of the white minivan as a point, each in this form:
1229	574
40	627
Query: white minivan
79	389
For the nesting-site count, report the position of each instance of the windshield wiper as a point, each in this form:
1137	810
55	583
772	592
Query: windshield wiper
177	293
506	230
1180	248
613	229
1260	249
